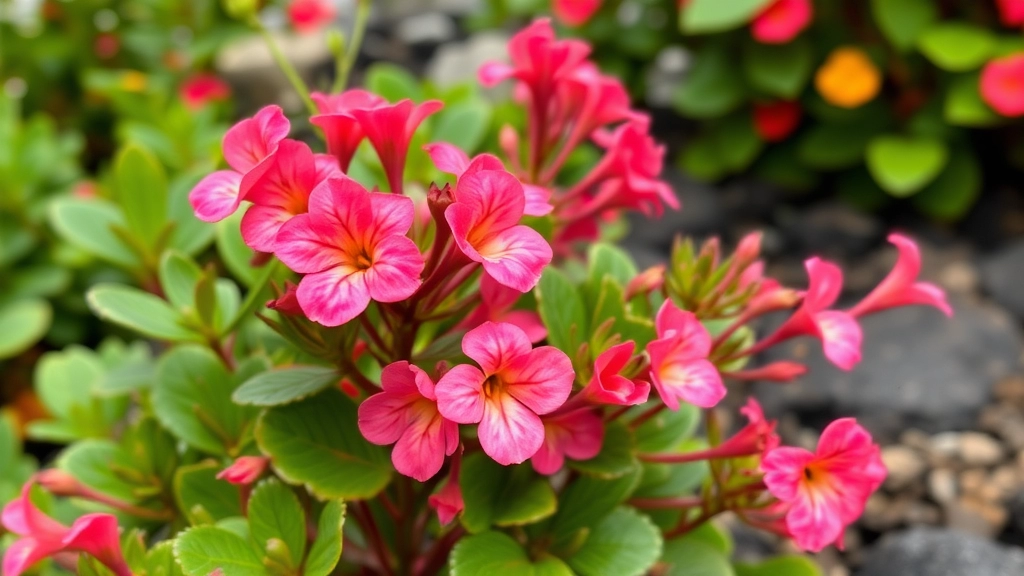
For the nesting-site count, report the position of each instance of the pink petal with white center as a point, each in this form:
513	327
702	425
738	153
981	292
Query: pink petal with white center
303	244
694	380
260	225
383	417
346	202
541	379
334	296
783	470
509	432
21	517
537	200
515	257
460	394
395	272
421	449
815	522
248	142
216	196
447	157
840	336
495	345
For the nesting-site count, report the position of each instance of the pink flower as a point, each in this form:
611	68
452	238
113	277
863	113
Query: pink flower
608	386
341	129
680	369
200	89
447	501
42	536
310	15
900	287
839	332
632	166
757	436
538	60
575	12
781	21
646	282
594	100
485	224
516	385
246	145
405	414
352	248
826	490
577	434
390	129
1002	85
1011	12
496	305
244	470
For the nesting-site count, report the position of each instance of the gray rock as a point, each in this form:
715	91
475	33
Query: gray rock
701	215
831	229
456	62
1002	276
429	28
919	369
936	552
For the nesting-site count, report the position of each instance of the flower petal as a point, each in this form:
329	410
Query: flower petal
395	272
447	157
460	394
541	379
304	244
840	336
497	197
216	196
495	345
383	417
248	142
334	296
509	432
97	535
516	257
421	449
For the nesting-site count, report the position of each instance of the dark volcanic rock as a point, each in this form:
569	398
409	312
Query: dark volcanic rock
702	214
1002	276
933	552
919	370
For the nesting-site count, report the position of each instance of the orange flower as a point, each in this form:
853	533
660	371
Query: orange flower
848	78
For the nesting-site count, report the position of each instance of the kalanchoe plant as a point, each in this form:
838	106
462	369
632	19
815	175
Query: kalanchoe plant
464	331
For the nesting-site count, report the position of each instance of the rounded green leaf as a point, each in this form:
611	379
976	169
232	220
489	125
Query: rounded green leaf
497	553
903	21
22	324
141	186
964	106
88	224
587	500
902	166
392	82
703	16
96	463
780	70
190	234
316	442
463	124
204	549
561	309
713	87
956	46
202	497
326	549
139	311
694	557
954	191
275	513
285	385
625	543
503	495
178	276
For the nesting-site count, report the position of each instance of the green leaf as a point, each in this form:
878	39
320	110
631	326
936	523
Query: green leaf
713	87
831	146
964	105
667	429
703	16
502	495
190	234
275	513
192	398
97	464
139	311
202	497
956	46
178	277
780	566
160	560
463	124
711	533
233	250
285	385
22	324
141	187
903	21
497	553
902	166
587	500
203	549
392	82
780	70
693	557
625	543
64	381
616	458
954	191
88	224
561	309
326	549
316	442
608	260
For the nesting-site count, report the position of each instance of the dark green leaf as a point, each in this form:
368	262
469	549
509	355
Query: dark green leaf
955	189
713	87
964	106
562	311
780	70
903	21
625	543
326	549
141	187
693	557
503	495
496	553
616	458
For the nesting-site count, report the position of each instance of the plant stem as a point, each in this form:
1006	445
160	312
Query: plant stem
289	71
352	50
252	298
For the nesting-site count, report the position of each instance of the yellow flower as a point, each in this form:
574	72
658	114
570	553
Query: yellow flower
848	78
133	81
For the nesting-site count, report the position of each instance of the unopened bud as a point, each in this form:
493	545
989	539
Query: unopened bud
749	248
245	470
776	298
508	140
59	482
288	302
781	371
646	282
336	43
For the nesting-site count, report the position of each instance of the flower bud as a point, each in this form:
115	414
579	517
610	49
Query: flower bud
646	282
245	470
508	140
288	302
749	248
59	482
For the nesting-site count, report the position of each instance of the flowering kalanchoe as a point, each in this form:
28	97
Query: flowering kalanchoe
389	128
901	287
245	470
342	131
680	369
609	386
575	433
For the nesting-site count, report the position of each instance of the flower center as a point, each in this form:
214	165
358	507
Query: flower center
494	386
363	261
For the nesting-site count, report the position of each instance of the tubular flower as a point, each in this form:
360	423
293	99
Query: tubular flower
310	15
826	490
342	131
1011	12
451	159
496	306
576	434
244	470
594	100
848	78
757	437
609	386
390	129
447	501
201	89
405	414
575	12
42	536
633	163
485	224
774	122
900	287
539	60
1002	85
838	331
352	247
680	369
514	385
781	21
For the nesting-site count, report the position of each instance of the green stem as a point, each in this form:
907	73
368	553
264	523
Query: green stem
352	50
252	298
289	71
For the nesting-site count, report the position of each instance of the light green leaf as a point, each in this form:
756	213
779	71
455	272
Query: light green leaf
609	260
202	497
964	106
703	16
22	324
316	442
203	549
233	250
141	186
956	46
780	566
502	495
903	21
275	513
713	87
97	463
139	311
780	70
561	309
693	557
88	225
326	549
392	82
160	560
625	543
617	456
667	429
497	553
190	234
178	277
902	166
463	124
285	385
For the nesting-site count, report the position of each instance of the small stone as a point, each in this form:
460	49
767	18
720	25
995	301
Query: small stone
942	485
916	439
976	517
978	449
971	481
921	513
429	28
1010	389
959	276
904	465
944	447
1007	480
940	552
882	513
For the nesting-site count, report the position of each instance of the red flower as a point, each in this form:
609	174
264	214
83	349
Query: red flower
781	21
200	89
775	121
310	15
575	12
1002	85
1011	12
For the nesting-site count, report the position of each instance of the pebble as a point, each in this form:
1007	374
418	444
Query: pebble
942	485
941	552
979	449
975	516
905	466
1010	389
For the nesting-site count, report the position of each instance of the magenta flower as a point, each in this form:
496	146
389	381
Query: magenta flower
826	490
781	21
485	224
405	414
680	369
310	15
577	434
451	159
42	536
1002	85
352	248
390	129
496	306
1011	12
245	470
594	100
609	386
447	501
900	287
516	385
631	169
279	189
342	131
200	89
575	12
539	60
